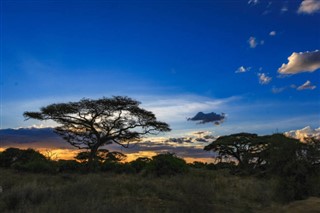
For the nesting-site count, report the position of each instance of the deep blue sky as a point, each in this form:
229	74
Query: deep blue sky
176	57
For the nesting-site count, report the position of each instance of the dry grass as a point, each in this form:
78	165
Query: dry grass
198	191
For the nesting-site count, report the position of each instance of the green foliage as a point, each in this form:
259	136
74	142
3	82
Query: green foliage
167	164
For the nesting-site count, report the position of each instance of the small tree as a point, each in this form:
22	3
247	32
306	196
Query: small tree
91	124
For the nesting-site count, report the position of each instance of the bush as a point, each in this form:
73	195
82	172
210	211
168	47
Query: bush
198	165
140	164
35	166
166	164
68	166
14	155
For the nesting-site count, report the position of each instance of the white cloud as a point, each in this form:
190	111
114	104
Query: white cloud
309	6
263	78
176	109
253	2
276	90
306	85
243	69
252	42
284	9
303	133
301	62
272	33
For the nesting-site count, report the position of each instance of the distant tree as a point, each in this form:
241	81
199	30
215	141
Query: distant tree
91	124
245	148
101	156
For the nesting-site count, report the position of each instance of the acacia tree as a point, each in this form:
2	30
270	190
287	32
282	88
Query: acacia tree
243	147
91	124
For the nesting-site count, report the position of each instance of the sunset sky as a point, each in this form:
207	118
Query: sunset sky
256	61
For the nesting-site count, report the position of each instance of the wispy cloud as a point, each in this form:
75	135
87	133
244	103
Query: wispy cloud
264	79
243	69
309	6
284	9
301	62
254	42
253	2
306	85
272	33
276	90
178	108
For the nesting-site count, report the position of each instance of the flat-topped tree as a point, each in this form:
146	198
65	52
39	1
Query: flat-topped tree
91	124
243	147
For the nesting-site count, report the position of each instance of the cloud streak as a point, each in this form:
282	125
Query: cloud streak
306	85
253	2
301	62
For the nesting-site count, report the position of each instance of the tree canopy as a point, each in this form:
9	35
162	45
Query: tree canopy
91	124
243	147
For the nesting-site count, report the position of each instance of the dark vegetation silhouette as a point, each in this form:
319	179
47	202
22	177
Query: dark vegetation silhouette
92	124
280	169
294	164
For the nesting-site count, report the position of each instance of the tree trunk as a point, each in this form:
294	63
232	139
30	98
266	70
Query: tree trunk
92	159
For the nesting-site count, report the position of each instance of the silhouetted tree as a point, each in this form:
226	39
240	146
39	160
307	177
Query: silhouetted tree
101	156
245	148
91	124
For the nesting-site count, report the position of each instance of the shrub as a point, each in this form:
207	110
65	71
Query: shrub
68	166
167	164
14	155
198	165
140	164
35	166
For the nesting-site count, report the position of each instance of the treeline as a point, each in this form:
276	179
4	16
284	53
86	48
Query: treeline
292	165
30	160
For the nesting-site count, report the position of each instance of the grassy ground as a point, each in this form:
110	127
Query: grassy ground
197	191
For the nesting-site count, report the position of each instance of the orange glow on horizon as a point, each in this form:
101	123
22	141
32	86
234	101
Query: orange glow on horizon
69	154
